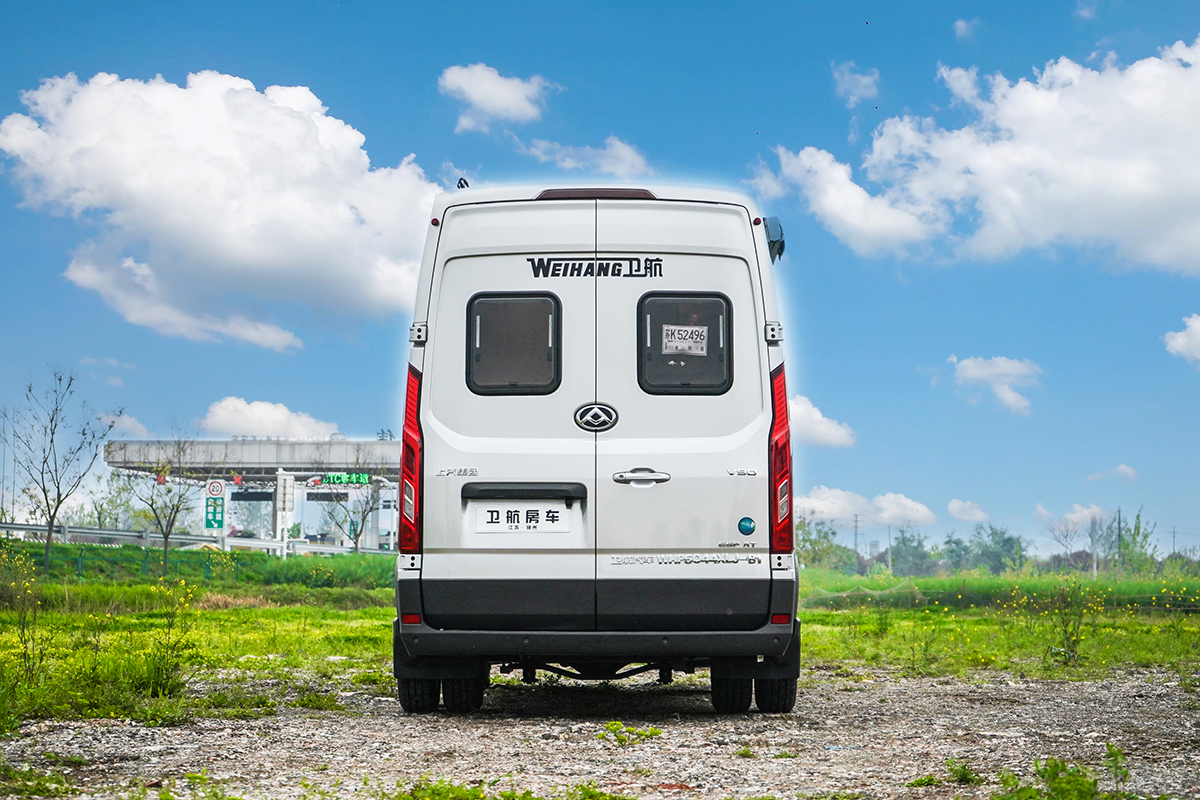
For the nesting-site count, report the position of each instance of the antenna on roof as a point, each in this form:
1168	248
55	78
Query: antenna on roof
462	183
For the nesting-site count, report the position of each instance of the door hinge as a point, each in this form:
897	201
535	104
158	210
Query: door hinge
418	333
773	332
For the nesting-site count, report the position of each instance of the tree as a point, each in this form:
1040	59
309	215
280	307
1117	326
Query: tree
955	554
168	494
55	443
1064	532
349	512
1138	553
107	503
815	546
909	556
995	548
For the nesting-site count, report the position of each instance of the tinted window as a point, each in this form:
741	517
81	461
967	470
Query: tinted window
684	344
513	343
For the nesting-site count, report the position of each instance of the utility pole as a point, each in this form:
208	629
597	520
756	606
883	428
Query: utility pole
1172	540
856	534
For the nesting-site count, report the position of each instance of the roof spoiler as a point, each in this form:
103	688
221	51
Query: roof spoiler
596	194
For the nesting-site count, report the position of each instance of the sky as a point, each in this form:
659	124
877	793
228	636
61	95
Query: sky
213	214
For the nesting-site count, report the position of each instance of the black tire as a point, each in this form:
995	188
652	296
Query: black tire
463	695
418	695
775	695
731	695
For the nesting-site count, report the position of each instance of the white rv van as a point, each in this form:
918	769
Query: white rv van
596	471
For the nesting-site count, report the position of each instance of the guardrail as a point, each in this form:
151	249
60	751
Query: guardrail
66	533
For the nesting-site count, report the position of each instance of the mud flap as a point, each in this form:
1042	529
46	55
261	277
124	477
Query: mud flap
406	666
782	666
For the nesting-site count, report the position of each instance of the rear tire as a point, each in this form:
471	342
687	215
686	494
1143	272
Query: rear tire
418	695
463	695
775	695
731	695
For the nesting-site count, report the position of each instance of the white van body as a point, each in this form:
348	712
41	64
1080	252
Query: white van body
594	397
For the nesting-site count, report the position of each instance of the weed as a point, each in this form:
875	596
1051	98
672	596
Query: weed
626	735
31	783
73	762
745	752
925	780
317	701
1058	780
232	703
785	754
961	772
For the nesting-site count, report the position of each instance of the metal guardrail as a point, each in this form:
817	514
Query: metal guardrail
65	533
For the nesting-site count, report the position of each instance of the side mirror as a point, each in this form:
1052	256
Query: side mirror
774	238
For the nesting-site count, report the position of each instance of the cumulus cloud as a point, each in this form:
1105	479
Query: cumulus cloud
854	86
491	97
1043	512
1076	156
616	157
967	511
838	505
1123	471
1186	343
964	29
126	425
233	416
810	426
999	374
1082	516
214	199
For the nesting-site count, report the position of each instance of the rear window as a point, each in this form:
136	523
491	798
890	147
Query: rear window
513	343
684	344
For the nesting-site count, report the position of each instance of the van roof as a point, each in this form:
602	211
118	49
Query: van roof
503	193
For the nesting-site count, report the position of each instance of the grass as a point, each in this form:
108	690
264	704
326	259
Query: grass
32	783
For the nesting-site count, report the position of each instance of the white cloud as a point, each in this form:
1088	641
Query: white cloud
127	425
1085	10
964	29
838	505
1043	512
1000	374
810	426
233	416
1120	471
1083	516
214	199
491	97
1081	157
1185	343
615	158
967	511
854	86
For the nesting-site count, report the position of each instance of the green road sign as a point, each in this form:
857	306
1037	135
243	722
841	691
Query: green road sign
214	513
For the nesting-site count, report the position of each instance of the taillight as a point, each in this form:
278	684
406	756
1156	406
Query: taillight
410	467
779	456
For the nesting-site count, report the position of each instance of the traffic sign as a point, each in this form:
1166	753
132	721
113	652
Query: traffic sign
215	488
214	513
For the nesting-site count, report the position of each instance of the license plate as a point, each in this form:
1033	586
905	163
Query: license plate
529	516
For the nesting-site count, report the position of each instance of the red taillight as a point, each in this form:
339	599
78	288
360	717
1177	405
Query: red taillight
776	619
410	467
779	456
415	619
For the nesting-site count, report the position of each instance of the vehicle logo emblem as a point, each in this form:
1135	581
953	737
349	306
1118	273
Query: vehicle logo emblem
595	417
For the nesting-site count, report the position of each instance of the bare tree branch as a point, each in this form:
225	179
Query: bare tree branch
55	443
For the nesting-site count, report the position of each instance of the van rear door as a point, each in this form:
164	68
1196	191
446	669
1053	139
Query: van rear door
509	478
681	514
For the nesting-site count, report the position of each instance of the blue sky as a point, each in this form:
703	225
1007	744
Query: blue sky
193	254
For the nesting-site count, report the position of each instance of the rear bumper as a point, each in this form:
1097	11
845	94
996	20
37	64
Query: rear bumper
633	644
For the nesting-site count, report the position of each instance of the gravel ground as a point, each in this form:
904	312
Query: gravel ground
864	732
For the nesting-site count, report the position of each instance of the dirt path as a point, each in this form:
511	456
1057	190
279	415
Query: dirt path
866	733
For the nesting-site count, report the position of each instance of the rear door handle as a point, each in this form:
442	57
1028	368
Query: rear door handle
641	476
